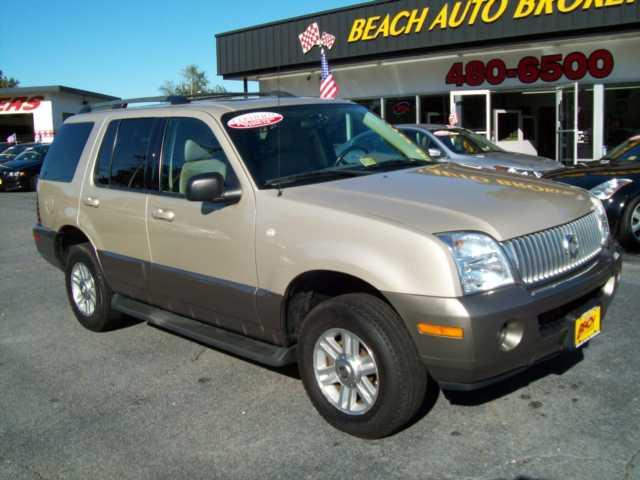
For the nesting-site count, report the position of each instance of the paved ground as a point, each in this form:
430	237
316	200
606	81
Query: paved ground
142	404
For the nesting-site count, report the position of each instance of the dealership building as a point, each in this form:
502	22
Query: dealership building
36	113
560	78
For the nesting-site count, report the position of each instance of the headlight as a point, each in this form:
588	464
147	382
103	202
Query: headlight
16	174
481	262
603	221
605	190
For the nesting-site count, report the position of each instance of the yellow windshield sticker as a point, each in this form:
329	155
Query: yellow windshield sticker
367	161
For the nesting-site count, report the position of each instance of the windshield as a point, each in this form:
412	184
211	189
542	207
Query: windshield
628	151
312	142
464	142
32	154
13	151
27	158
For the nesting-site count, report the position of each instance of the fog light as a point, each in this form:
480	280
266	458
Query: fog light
609	287
510	336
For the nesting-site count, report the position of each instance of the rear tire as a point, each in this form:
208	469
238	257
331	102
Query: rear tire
396	380
630	225
87	291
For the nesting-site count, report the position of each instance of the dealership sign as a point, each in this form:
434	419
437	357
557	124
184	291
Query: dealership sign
384	30
459	14
19	104
547	68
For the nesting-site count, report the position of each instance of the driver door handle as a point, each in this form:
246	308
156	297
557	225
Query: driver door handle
164	215
91	202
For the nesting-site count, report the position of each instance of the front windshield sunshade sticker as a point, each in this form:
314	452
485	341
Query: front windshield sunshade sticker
254	120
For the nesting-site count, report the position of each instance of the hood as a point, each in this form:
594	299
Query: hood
589	176
448	197
519	160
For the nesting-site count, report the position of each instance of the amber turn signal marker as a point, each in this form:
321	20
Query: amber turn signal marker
440	331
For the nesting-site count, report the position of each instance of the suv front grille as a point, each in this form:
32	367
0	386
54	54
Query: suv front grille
551	253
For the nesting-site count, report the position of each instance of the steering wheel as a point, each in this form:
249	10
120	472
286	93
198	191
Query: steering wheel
353	148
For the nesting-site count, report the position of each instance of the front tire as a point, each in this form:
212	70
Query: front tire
87	291
630	225
359	366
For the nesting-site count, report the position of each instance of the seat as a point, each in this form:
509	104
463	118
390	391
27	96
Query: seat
291	152
198	160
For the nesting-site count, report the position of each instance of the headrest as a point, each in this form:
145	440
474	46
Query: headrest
194	152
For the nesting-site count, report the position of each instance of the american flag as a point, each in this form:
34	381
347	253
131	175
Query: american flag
310	37
328	87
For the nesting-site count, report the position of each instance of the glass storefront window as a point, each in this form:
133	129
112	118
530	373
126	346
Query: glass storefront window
622	114
371	104
434	109
400	110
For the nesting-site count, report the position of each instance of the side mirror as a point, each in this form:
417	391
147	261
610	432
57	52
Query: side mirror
435	153
206	187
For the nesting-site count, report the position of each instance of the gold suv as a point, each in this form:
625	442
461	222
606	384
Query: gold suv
257	225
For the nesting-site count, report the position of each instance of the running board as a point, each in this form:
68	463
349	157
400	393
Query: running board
261	352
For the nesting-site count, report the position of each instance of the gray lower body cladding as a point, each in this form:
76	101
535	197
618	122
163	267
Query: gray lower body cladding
544	315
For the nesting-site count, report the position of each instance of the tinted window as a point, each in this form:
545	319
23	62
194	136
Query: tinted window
125	164
629	151
131	153
64	154
103	165
190	148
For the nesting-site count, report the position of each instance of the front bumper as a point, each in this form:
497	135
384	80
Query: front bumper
14	183
543	313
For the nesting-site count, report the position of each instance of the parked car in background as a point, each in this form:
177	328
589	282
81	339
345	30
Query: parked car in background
22	172
4	146
465	147
12	152
614	179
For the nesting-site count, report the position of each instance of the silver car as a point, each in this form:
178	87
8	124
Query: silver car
462	146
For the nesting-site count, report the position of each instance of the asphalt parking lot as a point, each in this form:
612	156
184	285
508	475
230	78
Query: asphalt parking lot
142	404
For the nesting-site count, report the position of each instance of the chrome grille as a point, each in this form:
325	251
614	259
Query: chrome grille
545	255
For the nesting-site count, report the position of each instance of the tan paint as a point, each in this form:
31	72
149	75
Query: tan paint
378	228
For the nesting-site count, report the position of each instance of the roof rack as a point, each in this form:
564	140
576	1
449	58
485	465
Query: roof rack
178	99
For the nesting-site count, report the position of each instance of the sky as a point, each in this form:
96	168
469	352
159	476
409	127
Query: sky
128	48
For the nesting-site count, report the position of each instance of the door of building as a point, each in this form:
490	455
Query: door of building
567	133
472	109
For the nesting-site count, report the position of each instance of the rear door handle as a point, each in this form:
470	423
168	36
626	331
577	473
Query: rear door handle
92	202
164	215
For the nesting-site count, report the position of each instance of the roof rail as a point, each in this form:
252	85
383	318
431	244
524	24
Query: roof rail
177	99
209	96
123	103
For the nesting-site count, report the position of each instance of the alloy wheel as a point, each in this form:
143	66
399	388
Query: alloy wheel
346	371
83	289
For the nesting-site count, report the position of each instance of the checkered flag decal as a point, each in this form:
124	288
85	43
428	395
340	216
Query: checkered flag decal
310	37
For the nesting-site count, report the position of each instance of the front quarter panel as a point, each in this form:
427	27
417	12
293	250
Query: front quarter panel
293	237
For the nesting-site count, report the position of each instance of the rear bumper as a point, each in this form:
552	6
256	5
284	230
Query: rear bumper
544	315
47	244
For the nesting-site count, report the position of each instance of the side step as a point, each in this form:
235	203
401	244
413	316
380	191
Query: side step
261	352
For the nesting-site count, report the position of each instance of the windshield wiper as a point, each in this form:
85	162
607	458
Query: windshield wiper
399	163
321	175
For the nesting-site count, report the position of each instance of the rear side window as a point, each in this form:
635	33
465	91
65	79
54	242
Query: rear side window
64	154
128	149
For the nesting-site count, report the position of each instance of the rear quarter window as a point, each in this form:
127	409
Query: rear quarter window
64	154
